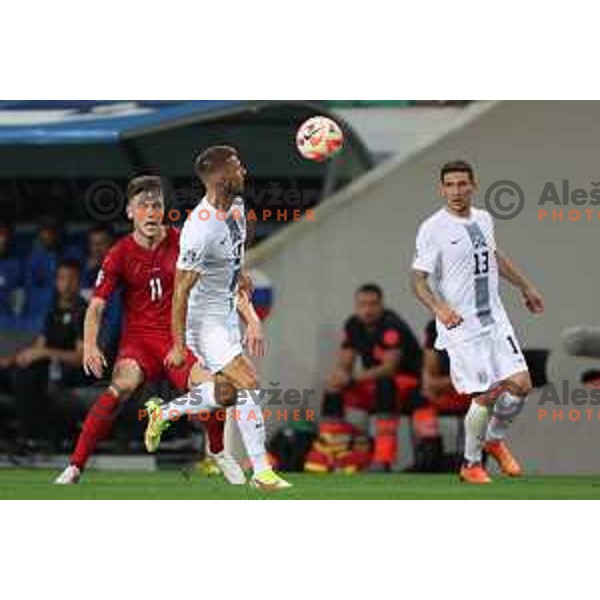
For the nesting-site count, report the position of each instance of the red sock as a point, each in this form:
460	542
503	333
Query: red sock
386	441
96	428
425	422
215	426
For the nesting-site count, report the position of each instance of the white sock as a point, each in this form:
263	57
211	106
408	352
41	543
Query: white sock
499	425
475	424
199	398
249	417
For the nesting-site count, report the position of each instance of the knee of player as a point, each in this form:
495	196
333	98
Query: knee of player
248	381
523	385
225	392
121	389
526	388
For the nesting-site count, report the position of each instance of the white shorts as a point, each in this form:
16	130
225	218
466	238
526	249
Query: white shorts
479	363
217	341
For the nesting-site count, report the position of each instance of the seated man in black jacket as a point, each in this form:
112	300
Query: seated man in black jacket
55	356
391	361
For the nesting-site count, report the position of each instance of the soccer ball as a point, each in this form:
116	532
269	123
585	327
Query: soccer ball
319	139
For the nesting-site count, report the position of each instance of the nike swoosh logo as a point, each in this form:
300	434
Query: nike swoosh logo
309	135
454	242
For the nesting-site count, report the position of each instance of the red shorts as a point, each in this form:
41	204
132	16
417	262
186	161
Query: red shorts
362	395
451	402
150	353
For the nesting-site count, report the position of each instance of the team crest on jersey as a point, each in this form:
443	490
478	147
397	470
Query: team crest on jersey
190	257
391	337
476	235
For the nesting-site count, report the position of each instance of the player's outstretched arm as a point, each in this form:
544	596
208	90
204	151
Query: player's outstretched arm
448	316
184	282
93	360
513	274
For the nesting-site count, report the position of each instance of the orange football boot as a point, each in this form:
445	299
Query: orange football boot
474	474
499	451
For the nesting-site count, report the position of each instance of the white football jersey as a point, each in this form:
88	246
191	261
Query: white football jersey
212	243
460	255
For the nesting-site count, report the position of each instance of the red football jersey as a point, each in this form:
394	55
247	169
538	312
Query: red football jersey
146	278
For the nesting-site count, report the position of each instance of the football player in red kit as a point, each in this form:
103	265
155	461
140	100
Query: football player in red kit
142	264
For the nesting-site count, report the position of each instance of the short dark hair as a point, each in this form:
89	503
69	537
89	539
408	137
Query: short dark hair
212	159
102	228
50	222
70	263
143	183
370	288
457	166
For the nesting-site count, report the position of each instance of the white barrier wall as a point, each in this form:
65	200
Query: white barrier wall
367	232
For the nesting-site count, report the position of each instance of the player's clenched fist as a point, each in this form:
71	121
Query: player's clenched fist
93	361
533	300
176	357
448	316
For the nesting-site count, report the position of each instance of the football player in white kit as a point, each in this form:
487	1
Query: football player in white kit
456	252
206	303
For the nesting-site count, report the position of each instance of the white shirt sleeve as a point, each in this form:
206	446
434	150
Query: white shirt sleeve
491	229
193	245
427	251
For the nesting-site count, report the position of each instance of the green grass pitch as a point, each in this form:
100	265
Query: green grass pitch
37	484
